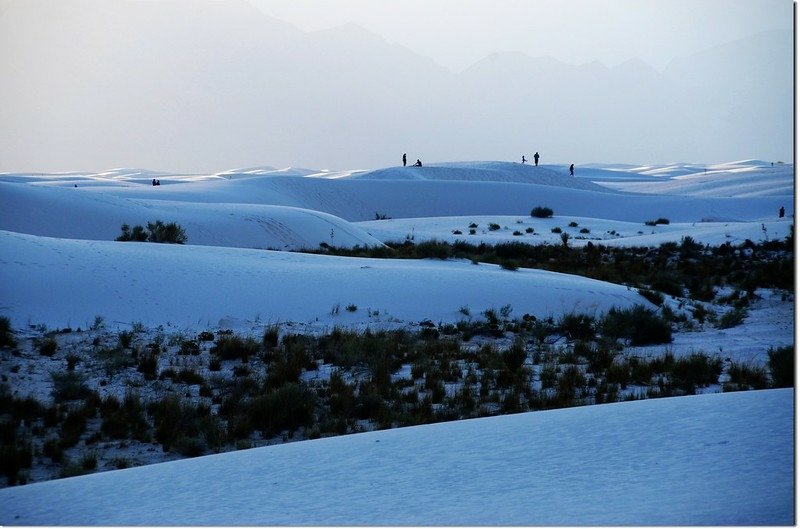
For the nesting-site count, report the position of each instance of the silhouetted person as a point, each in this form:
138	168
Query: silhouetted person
536	158
404	159
523	159
572	169
781	212
418	164
154	182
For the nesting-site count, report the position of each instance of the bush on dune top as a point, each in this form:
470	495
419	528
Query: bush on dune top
156	231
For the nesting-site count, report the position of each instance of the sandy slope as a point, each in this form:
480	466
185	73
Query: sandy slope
722	459
63	282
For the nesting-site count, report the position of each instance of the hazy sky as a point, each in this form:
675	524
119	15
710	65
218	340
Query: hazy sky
457	33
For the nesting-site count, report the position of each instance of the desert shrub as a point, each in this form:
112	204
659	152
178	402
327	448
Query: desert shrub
351	307
508	264
528	230
125	339
189	347
174	419
541	212
745	376
639	325
6	333
667	283
573	224
166	233
205	336
48	346
214	363
156	232
781	366
286	408
514	356
73	427
69	386
270	337
577	326
493	226
189	376
148	366
14	458
53	450
72	361
517	233
660	220
370	406
656	298
695	370
556	230
190	446
231	347
732	318
585	230
136	234
126	420
434	249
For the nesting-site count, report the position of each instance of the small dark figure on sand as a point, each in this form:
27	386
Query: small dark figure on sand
536	158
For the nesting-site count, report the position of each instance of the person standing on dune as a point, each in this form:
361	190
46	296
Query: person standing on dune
404	159
536	159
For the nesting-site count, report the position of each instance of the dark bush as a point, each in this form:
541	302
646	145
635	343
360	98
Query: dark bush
166	233
148	366
6	333
156	232
541	212
514	357
137	234
744	377
286	408
231	347
270	338
189	347
781	366
577	326
695	370
48	346
69	386
656	298
639	325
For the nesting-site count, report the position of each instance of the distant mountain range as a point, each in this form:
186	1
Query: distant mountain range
204	85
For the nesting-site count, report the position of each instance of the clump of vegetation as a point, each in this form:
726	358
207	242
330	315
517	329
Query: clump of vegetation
638	325
781	366
231	347
541	212
660	220
731	318
156	231
493	226
48	346
6	333
744	377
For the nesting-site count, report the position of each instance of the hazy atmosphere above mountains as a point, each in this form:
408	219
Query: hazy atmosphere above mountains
203	85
